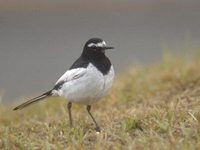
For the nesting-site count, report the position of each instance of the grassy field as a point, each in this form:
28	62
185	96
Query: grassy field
153	107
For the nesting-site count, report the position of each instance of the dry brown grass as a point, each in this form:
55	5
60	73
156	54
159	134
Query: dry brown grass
153	107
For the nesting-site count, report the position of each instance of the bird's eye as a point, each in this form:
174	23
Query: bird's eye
93	46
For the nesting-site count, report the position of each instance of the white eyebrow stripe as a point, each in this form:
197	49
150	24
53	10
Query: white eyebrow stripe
102	44
91	44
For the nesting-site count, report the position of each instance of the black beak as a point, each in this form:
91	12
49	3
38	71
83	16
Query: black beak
107	47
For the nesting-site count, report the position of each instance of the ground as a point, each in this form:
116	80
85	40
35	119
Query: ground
151	107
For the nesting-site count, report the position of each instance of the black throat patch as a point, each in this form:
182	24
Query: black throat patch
103	64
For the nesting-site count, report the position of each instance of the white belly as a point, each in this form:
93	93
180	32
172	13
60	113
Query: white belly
89	88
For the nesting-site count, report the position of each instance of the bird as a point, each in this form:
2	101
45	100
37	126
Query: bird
88	79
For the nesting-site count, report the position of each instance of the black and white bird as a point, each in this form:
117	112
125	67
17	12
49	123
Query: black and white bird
87	81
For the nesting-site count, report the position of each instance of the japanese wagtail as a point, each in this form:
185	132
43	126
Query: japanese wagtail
88	79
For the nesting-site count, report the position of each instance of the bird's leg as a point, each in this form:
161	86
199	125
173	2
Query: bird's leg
97	126
69	106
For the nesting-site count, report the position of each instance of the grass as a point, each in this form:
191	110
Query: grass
153	107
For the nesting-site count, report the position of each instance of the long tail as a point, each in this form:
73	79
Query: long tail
36	99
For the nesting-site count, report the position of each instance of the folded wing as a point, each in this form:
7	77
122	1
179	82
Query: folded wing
69	76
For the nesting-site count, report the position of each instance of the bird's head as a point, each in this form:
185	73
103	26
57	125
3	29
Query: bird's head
95	47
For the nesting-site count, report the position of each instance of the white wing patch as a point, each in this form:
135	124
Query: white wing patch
72	75
101	44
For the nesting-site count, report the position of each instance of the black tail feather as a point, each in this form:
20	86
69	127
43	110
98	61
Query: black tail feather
36	99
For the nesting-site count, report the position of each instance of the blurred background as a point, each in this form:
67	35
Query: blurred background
40	39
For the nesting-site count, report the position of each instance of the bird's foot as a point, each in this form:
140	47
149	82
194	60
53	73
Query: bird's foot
98	129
